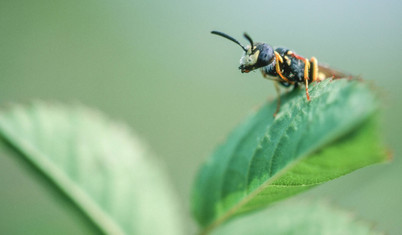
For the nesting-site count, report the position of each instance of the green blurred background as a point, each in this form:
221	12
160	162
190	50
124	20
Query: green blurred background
154	65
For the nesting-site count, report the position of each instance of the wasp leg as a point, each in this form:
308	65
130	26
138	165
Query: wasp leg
279	59
278	91
278	103
314	69
306	76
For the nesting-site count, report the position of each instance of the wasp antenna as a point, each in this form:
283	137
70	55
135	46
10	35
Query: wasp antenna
230	38
250	40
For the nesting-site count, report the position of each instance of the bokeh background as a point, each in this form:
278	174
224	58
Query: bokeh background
154	65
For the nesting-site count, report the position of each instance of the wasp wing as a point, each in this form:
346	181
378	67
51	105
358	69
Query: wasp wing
324	71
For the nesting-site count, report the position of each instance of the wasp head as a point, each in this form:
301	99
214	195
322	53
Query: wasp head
255	55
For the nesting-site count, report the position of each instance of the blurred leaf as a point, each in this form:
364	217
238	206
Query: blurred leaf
298	218
102	167
264	159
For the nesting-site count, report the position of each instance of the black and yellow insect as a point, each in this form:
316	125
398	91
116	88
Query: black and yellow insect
281	65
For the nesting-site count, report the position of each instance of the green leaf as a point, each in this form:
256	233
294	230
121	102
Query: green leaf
98	164
298	218
266	159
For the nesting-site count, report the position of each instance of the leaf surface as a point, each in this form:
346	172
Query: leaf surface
298	218
98	164
267	159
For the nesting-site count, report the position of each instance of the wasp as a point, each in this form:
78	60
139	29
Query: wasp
281	65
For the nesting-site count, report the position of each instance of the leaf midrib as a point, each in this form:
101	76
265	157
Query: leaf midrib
256	191
244	137
63	182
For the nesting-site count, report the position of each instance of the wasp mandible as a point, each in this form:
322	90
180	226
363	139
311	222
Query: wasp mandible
281	65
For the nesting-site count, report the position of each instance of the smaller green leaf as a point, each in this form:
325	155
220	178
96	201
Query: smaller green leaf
298	218
308	143
97	163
